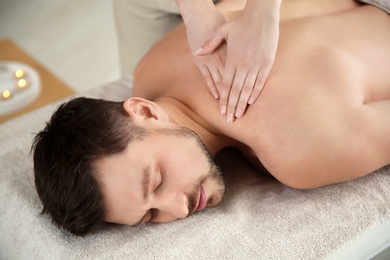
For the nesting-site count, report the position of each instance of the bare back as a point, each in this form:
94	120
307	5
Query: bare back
324	114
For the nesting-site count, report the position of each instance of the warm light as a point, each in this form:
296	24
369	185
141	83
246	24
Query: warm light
22	83
19	74
6	94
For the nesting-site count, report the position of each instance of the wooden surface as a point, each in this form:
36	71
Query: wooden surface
52	88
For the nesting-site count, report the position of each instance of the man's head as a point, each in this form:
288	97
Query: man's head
94	158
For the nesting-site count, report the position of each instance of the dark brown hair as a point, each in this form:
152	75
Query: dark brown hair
80	132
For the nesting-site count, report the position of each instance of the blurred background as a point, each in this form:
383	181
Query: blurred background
74	40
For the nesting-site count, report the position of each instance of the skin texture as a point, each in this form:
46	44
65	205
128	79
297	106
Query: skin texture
237	80
153	180
322	117
323	113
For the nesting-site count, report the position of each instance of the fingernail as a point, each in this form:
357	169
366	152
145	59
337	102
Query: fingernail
215	94
230	118
223	110
251	101
196	52
239	112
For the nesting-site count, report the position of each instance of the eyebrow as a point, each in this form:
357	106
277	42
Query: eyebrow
145	183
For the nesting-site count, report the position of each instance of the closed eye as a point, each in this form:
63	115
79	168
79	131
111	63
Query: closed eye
159	181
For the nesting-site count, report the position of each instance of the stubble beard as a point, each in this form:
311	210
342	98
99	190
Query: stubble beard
214	175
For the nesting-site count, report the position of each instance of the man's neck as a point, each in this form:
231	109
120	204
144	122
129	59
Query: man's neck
181	115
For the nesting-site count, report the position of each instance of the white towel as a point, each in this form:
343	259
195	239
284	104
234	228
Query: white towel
259	218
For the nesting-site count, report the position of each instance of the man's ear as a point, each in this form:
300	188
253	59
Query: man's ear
142	109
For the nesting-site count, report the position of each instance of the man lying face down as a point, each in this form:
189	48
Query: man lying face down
322	118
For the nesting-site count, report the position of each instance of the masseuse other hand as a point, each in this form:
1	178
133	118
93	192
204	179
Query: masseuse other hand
252	39
202	19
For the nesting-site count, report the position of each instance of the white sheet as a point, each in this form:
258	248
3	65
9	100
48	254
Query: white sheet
258	219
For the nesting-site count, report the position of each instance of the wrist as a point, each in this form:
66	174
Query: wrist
190	9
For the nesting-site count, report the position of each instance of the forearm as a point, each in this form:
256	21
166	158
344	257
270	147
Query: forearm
193	9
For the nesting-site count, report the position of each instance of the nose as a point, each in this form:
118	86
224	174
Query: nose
170	207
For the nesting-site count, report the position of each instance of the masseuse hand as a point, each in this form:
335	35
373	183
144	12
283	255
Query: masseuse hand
252	39
202	19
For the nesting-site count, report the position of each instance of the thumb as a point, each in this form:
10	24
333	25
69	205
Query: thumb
209	46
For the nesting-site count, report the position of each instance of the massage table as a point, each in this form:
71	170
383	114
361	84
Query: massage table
259	218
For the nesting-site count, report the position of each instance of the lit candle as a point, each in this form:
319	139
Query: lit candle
19	74
22	83
6	94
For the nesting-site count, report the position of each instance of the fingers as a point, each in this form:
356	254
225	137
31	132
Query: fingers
259	85
234	96
225	87
212	76
209	46
244	91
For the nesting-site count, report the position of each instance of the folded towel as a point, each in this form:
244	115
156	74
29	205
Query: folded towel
259	217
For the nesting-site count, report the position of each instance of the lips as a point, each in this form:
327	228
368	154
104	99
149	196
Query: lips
202	200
